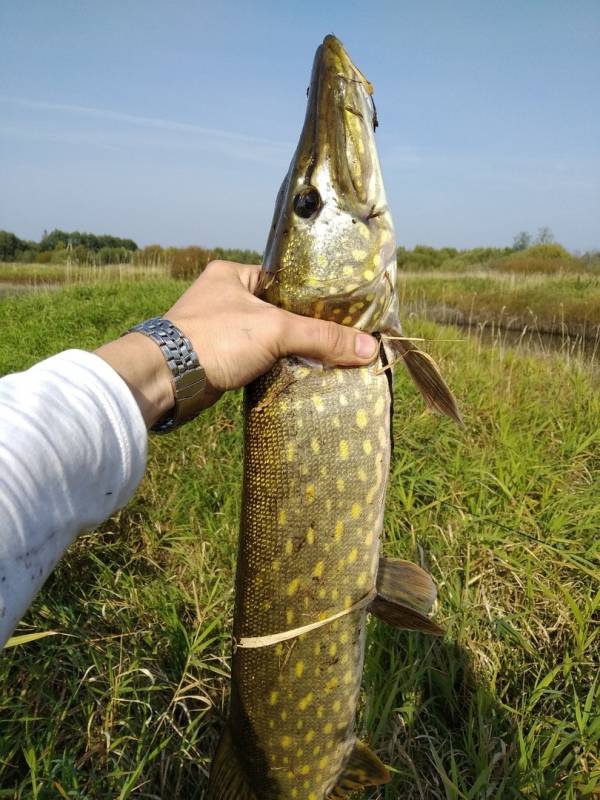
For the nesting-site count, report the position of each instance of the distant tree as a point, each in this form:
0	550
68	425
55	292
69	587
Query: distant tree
522	241
9	246
544	236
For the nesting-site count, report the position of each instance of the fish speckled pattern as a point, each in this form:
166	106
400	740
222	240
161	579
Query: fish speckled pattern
315	474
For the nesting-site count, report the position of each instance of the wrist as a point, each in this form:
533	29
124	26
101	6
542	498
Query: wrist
142	366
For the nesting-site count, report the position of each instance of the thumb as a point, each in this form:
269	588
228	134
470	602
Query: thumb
327	341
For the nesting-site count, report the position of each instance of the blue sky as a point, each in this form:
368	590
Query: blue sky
174	122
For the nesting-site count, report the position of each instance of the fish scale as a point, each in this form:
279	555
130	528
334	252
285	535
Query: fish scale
317	444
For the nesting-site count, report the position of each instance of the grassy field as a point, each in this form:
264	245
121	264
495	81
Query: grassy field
127	701
548	304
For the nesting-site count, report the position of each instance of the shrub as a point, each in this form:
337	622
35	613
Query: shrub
186	263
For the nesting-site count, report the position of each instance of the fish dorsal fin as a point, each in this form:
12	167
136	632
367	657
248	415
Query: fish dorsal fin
363	768
227	779
405	593
426	375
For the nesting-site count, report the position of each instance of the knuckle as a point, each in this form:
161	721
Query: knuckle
333	338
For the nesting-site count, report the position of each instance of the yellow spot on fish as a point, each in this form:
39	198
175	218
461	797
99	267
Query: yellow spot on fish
275	565
289	616
305	702
323	762
293	586
316	751
279	649
304	769
368	274
310	536
286	741
309	736
317	649
361	418
314	445
340	484
299	751
318	402
347	601
347	320
320	712
352	555
282	517
336	422
322	594
356	509
332	649
335	594
369	297
362	475
356	307
284	714
328	727
299	669
359	255
336	706
339	529
289	547
273	698
291	451
344	449
343	400
348	271
318	570
344	637
367	447
348	676
309	493
361	581
271	723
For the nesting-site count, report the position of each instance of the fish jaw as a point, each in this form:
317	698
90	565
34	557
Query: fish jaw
339	262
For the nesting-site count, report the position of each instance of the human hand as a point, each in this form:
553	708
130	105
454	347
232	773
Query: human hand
237	337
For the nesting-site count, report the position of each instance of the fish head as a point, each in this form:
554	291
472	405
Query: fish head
331	251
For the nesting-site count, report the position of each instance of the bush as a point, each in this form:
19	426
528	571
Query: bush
186	263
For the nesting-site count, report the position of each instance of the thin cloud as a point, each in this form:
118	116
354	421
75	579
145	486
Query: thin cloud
240	145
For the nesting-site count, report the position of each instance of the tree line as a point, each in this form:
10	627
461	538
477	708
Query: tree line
528	253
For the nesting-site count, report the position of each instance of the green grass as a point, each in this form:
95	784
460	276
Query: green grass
129	699
547	304
41	275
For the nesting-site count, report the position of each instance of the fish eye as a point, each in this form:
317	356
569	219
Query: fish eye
307	202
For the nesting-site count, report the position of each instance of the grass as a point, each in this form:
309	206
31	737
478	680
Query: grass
546	304
43	275
128	700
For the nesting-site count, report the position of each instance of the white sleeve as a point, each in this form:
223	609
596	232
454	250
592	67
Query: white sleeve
72	451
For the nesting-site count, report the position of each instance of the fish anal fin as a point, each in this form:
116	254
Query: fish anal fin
405	593
363	768
227	778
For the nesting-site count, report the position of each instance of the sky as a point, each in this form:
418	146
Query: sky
174	122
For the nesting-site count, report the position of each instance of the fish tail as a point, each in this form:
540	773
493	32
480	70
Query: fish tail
228	780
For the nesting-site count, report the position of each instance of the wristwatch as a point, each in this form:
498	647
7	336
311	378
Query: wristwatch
188	376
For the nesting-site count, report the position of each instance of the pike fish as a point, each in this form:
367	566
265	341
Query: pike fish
316	462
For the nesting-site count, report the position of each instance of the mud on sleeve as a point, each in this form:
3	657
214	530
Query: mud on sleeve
72	451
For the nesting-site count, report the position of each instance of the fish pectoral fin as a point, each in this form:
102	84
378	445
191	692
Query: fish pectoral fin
363	768
405	594
227	779
428	379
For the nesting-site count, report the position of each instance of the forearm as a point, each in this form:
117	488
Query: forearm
72	451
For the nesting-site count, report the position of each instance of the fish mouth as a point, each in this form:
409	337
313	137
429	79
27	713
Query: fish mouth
341	119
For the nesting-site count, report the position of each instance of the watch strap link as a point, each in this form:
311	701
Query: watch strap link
187	374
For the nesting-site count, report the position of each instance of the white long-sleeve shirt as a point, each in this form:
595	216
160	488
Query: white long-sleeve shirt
72	451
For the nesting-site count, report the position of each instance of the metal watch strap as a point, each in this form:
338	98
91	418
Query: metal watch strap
189	378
